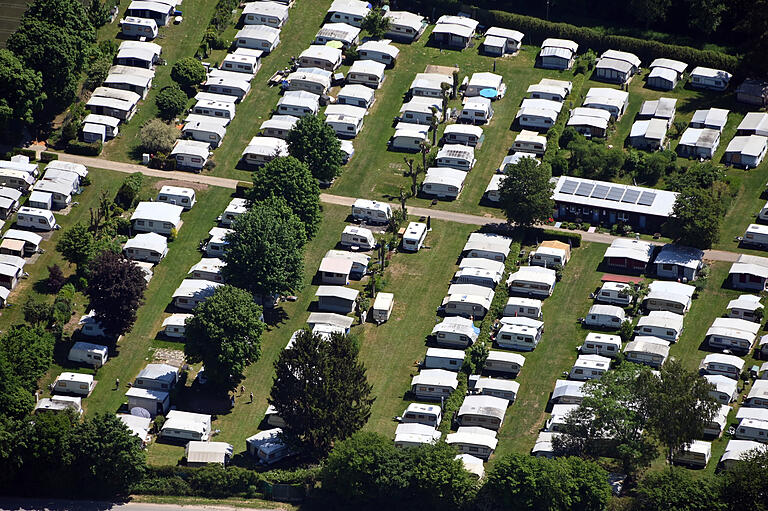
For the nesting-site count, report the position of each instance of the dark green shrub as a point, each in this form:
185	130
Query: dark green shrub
84	148
46	156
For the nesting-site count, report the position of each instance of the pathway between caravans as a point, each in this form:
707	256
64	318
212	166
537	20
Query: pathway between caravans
437	214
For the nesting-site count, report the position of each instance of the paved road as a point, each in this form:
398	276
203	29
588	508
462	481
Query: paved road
85	505
437	214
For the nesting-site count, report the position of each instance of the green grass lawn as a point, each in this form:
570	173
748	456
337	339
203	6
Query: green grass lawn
388	351
133	349
178	41
556	351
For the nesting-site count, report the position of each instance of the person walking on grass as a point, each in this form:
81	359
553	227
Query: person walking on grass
251	401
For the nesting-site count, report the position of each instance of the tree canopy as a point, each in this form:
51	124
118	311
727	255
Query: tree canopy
188	72
225	335
290	179
76	245
375	23
321	391
171	101
677	489
158	137
265	250
30	351
743	485
115	290
314	143
520	481
526	193
696	218
21	91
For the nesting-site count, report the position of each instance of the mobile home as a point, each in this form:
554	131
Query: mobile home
601	344
467	300
262	150
156	402
258	37
523	307
530	142
488	246
477	276
412	434
418	413
726	365
272	14
589	367
551	253
483	410
132	26
695	455
278	126
443	182
405	26
734	334
208	268
523	336
175	325
379	51
678	262
557	53
532	281
476	110
192	292
352	12
186	426
477	441
669	296
434	384
267	446
726	390
664	324
338	299
156	217
647	350
665	73
454	32
615	293
323	57
464	134
366	72
344	33
148	246
711	79
500	41
746	307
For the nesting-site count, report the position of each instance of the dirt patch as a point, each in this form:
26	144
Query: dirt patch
168	356
183	184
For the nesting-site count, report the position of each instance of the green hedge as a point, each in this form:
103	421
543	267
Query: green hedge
84	148
46	156
29	153
574	238
536	30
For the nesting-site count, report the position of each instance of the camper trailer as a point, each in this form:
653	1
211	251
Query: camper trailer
477	276
589	367
605	316
647	350
371	212
267	446
382	307
695	455
734	334
477	441
455	331
414	434
467	300
509	364
726	365
615	293
483	410
601	344
186	426
520	336
413	237
418	413
746	307
132	26
360	237
175	325
184	197
74	383
523	307
34	218
551	253
87	353
443	358
669	296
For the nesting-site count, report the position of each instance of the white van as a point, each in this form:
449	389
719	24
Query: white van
414	236
371	211
358	237
34	218
87	353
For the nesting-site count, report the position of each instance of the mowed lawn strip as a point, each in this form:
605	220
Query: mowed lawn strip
178	41
555	353
298	33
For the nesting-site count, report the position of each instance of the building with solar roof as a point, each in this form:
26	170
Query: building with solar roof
604	203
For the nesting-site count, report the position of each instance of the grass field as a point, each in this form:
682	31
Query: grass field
133	350
178	41
388	351
556	351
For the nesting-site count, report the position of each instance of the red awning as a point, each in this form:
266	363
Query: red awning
609	277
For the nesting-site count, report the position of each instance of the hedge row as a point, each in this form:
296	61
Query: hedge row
536	30
46	156
537	235
84	148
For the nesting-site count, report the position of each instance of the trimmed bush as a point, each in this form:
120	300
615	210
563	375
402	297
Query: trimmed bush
46	156
32	155
83	148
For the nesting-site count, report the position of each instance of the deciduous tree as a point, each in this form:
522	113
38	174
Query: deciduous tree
321	391
30	351
158	137
265	250
115	290
108	457
375	23
21	92
171	101
314	142
744	482
677	489
225	335
290	179
76	245
188	72
526	193
696	218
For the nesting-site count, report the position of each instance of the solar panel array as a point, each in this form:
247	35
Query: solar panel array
604	192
